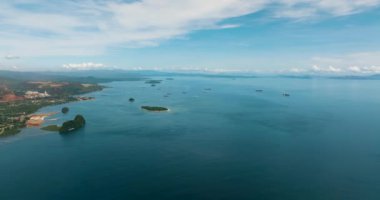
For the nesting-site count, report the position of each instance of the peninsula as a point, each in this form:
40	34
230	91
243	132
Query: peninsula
67	127
20	98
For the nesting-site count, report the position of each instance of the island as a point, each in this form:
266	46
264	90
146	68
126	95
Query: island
72	125
153	81
65	110
154	108
67	127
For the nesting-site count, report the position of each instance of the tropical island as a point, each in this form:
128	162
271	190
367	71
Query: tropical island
19	98
69	126
65	110
154	108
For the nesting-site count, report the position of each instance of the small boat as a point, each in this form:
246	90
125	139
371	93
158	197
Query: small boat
286	94
259	90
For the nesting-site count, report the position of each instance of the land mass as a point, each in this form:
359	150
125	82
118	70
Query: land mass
53	128
19	98
72	125
67	127
155	108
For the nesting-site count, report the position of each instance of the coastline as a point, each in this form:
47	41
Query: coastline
36	120
26	119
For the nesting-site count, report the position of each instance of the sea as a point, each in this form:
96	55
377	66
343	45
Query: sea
221	139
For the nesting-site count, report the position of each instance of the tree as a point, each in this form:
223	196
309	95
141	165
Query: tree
73	125
79	120
67	126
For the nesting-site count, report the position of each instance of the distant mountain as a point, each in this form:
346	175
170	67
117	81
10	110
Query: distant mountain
298	76
347	77
99	76
371	77
77	76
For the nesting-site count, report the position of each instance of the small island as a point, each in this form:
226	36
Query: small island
67	127
72	125
65	110
153	81
154	108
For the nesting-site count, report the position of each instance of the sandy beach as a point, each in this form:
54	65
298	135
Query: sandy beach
38	119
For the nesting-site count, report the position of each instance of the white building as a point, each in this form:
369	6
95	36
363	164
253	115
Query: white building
35	95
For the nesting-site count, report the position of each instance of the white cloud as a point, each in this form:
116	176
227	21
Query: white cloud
90	27
11	57
329	69
359	62
311	8
297	70
84	66
354	63
365	70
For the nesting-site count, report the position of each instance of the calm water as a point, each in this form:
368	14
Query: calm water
231	142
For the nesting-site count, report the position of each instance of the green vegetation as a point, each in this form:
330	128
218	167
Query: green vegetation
154	108
65	110
68	126
72	125
15	106
53	128
8	131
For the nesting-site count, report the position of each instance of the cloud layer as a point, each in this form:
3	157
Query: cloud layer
11	57
84	66
90	27
356	63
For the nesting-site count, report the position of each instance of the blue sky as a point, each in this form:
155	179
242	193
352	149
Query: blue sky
281	36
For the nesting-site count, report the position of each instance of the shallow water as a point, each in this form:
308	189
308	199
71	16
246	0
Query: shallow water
230	142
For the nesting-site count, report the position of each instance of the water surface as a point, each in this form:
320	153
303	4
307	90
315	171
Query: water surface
229	142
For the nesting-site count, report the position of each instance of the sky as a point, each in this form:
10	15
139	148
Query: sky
262	36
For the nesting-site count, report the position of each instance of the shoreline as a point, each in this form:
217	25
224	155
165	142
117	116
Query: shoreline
36	120
39	118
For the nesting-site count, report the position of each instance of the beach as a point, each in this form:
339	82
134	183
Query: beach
38	119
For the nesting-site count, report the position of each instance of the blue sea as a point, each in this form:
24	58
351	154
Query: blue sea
220	140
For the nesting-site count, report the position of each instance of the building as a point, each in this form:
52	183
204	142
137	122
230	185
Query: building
35	95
